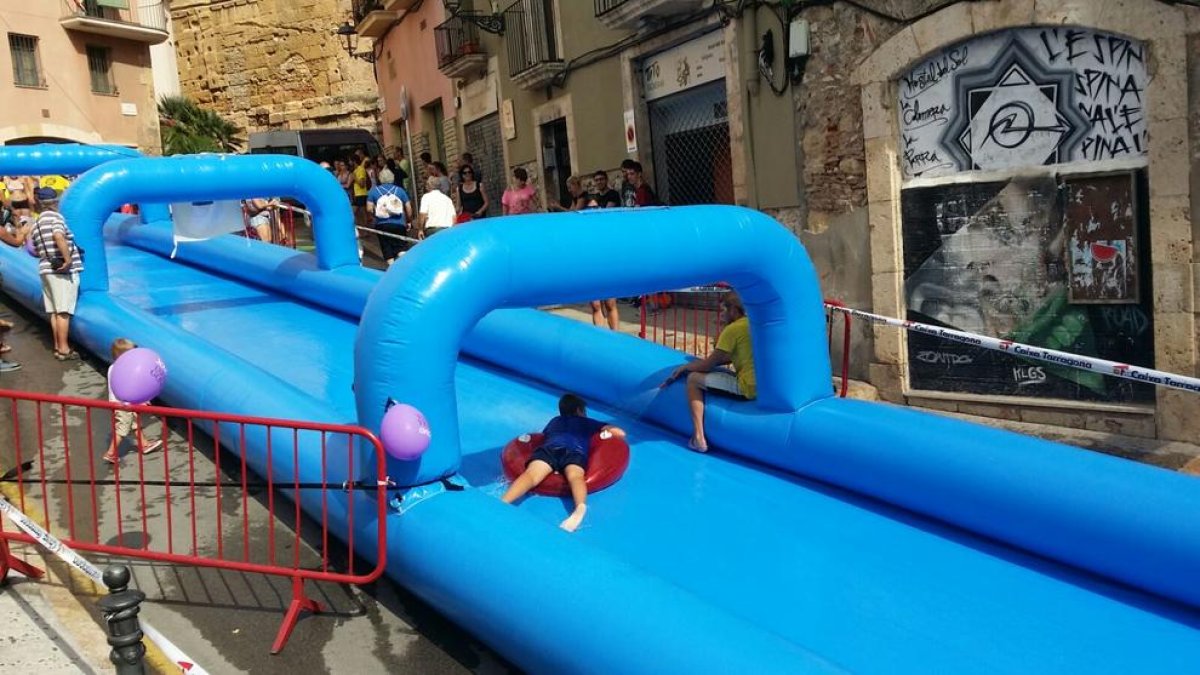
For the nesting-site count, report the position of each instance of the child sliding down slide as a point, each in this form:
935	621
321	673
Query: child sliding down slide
564	451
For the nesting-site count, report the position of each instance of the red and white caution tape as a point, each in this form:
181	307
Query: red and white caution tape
71	557
1123	370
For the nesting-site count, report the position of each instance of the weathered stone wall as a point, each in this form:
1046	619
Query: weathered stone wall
273	64
829	109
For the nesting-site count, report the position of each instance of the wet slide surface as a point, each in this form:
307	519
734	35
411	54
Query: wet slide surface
870	587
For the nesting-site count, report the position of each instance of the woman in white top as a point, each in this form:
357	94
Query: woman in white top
18	189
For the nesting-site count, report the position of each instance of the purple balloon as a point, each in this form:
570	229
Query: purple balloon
404	432
29	247
137	376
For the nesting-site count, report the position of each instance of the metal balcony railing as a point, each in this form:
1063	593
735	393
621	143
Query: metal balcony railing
605	6
138	13
454	39
530	35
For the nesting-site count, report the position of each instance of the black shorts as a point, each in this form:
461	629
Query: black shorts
391	247
559	458
359	200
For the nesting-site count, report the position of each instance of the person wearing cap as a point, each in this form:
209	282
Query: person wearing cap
59	263
391	207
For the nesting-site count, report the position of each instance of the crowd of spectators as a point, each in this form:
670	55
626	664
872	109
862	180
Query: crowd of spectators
29	218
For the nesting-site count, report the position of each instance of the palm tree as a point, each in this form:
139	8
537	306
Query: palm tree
187	128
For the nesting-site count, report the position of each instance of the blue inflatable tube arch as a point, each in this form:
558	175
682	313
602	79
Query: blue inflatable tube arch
69	159
97	193
416	319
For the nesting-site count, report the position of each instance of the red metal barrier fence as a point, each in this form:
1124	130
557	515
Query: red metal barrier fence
283	224
688	320
185	492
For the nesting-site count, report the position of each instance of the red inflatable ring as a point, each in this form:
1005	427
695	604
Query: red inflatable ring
607	460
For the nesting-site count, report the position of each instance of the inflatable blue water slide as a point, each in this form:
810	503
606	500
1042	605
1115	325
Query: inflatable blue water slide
823	534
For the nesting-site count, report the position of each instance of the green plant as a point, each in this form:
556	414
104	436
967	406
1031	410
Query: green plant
188	128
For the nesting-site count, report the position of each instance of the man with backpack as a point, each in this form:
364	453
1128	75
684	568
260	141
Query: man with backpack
392	210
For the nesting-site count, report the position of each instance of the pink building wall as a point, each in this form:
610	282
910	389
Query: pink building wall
407	57
64	106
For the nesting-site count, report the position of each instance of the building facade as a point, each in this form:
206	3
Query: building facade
417	101
1016	168
273	64
80	71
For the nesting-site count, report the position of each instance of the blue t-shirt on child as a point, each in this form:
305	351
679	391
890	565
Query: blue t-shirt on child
571	433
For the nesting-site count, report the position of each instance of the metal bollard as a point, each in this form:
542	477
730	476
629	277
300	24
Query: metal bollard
121	607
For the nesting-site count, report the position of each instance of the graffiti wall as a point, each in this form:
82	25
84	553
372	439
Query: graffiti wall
1024	97
1022	259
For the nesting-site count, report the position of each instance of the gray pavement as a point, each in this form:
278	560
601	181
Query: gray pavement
35	638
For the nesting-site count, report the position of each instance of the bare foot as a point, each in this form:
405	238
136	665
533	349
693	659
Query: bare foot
572	522
698	446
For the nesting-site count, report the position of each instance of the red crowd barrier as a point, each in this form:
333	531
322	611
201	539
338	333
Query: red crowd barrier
846	319
283	225
687	320
194	499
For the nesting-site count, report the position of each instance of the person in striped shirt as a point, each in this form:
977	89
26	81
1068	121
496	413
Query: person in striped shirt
60	262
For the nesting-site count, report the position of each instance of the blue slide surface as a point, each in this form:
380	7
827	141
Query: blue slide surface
826	536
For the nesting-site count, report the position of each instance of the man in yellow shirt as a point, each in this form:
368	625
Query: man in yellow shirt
733	348
361	186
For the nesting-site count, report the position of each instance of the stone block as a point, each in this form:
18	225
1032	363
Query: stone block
888	380
1192	468
1167	91
883	221
993	410
1175	342
1195	283
1068	12
1170	228
887	293
889	344
883	173
990	16
878	115
1173	287
943	28
933	404
1139	19
895	56
1057	418
1176	416
1170	164
1122	424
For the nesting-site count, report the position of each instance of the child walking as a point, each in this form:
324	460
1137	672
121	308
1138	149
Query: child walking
124	421
563	450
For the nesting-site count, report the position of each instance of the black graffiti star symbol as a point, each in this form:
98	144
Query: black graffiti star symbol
1012	124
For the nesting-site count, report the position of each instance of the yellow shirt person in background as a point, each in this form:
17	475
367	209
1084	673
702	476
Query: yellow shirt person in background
733	348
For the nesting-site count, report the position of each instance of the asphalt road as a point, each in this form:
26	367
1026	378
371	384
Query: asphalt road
225	620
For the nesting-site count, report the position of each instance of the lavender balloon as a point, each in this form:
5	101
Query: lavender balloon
29	247
404	432
137	376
